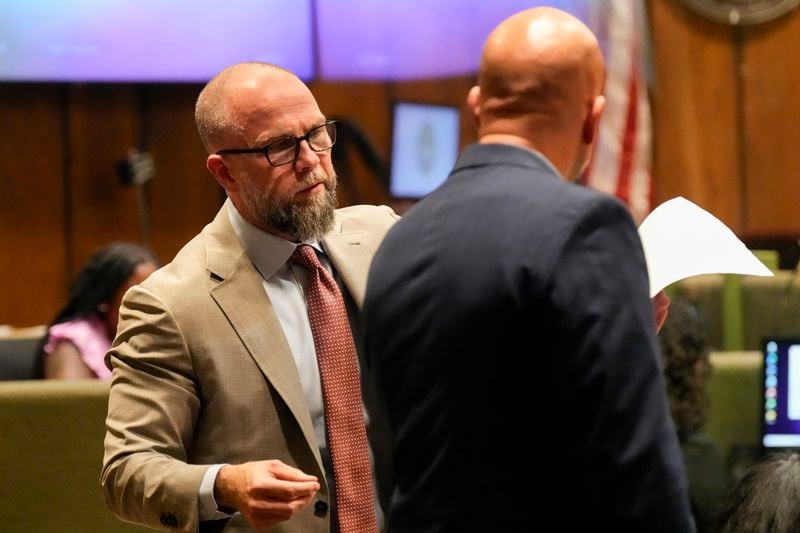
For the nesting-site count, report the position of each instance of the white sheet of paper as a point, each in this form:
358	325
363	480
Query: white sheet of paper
681	239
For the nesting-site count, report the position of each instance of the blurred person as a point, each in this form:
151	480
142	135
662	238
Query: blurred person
235	401
685	353
508	323
79	336
765	499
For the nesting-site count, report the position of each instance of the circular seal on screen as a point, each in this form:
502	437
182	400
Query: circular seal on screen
741	12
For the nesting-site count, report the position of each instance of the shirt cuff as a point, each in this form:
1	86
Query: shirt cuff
206	503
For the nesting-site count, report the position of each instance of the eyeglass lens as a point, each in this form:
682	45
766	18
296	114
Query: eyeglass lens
285	150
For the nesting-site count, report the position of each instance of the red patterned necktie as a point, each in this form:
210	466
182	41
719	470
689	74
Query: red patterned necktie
341	392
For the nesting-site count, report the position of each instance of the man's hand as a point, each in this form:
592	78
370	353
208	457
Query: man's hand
265	492
661	308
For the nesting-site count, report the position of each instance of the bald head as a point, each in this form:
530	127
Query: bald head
540	75
218	111
539	60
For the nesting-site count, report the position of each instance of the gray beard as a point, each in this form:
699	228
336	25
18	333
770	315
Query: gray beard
304	221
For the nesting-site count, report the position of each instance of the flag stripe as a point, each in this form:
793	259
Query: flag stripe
621	164
626	156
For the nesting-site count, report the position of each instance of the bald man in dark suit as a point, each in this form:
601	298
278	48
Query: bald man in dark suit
507	318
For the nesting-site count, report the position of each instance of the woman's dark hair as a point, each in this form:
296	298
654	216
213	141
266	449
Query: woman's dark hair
105	272
766	499
683	346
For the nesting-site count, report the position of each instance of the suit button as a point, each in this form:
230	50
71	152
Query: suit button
169	520
320	508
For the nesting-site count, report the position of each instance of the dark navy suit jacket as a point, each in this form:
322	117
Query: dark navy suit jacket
507	317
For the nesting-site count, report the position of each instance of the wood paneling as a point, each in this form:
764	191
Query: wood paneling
62	198
364	105
104	124
694	112
724	104
725	107
369	107
183	196
771	100
33	270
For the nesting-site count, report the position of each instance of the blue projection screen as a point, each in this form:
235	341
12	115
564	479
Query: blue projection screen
150	40
190	41
399	39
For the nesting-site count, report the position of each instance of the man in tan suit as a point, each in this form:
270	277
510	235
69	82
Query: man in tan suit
215	416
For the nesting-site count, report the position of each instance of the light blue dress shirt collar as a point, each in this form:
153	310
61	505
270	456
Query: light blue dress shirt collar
267	251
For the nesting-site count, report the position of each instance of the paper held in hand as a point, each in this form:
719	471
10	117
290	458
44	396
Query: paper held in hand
680	240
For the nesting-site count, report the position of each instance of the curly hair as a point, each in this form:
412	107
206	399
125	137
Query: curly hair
684	352
765	499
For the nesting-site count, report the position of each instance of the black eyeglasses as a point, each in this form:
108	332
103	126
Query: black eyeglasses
285	150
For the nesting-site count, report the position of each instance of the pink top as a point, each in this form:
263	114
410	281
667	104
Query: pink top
89	336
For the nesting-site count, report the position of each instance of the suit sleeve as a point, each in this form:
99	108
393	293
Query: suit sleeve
153	406
622	435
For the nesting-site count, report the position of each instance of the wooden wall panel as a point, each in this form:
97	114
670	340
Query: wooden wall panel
33	270
694	111
771	100
104	123
363	104
183	196
60	197
369	106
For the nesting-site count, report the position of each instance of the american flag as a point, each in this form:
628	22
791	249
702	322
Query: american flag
622	159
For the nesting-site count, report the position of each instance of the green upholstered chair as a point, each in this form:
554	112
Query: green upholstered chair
738	315
770	258
739	311
51	450
706	293
734	390
771	307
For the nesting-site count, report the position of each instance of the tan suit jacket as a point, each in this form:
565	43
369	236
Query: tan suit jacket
203	374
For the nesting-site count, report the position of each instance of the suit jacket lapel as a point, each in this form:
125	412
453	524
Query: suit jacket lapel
351	260
240	295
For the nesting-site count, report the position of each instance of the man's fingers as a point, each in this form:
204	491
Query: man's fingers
265	492
286	491
283	471
267	512
661	308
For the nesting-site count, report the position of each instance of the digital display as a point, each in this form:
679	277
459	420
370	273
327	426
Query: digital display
424	147
398	39
781	407
190	41
150	40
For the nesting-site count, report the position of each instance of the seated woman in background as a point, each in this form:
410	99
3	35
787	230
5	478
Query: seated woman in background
686	367
81	333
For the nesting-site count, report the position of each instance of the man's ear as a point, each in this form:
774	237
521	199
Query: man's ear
592	120
219	169
473	104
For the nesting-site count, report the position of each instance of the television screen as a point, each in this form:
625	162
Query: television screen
425	141
781	406
398	39
150	40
